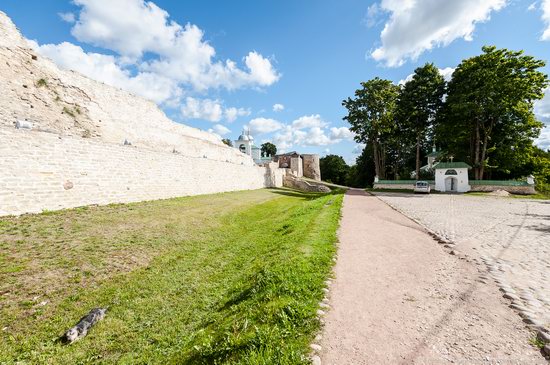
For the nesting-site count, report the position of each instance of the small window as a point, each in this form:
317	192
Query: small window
242	148
450	172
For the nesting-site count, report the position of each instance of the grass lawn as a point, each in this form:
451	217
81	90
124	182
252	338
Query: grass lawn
226	278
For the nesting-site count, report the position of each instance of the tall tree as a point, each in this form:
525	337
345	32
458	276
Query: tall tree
334	169
371	115
362	173
269	149
419	101
490	97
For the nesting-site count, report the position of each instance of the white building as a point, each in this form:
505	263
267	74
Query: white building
452	177
245	144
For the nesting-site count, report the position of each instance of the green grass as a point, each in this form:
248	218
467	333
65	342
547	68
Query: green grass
42	83
228	278
536	342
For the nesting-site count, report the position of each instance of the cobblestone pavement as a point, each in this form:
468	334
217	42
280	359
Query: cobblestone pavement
511	237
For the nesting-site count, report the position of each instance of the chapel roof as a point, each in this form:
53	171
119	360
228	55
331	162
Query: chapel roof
452	165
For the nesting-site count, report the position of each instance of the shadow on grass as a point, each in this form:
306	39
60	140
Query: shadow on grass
304	195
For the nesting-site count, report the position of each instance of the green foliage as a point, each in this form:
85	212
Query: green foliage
69	112
334	169
228	142
42	83
224	278
362	174
372	117
541	170
419	102
269	149
488	118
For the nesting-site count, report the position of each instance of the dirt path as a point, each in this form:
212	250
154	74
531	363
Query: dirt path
399	297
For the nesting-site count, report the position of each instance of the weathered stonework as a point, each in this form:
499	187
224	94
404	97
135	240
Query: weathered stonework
44	171
293	182
407	186
312	167
521	190
82	142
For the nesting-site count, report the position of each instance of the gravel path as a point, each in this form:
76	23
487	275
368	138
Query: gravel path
398	297
511	237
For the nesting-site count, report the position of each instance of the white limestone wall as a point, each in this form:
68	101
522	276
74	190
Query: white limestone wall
46	171
65	102
461	179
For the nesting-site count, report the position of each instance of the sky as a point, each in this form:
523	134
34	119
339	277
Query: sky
278	68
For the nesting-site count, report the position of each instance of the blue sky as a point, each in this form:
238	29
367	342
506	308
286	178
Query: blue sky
220	65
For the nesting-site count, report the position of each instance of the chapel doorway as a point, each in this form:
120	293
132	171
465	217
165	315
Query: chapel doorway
451	184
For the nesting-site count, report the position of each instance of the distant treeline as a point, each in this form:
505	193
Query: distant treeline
483	116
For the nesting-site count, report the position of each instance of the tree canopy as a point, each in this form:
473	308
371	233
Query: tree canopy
488	112
268	149
371	115
419	101
334	169
483	116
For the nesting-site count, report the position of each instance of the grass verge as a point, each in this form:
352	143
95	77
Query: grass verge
229	278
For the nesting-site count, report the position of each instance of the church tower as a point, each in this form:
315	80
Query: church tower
244	143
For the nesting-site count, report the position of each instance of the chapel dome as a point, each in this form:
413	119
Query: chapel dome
243	137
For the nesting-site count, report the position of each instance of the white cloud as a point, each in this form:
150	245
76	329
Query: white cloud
532	7
373	16
309	121
542	111
135	27
264	125
106	69
545	7
542	107
67	17
314	137
342	133
206	109
544	139
177	58
210	110
220	130
278	107
310	130
416	26
231	114
446	72
358	149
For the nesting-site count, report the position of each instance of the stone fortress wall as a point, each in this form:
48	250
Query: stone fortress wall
312	167
44	171
75	155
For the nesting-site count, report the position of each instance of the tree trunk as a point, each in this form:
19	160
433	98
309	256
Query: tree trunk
476	156
417	156
483	154
376	158
383	161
